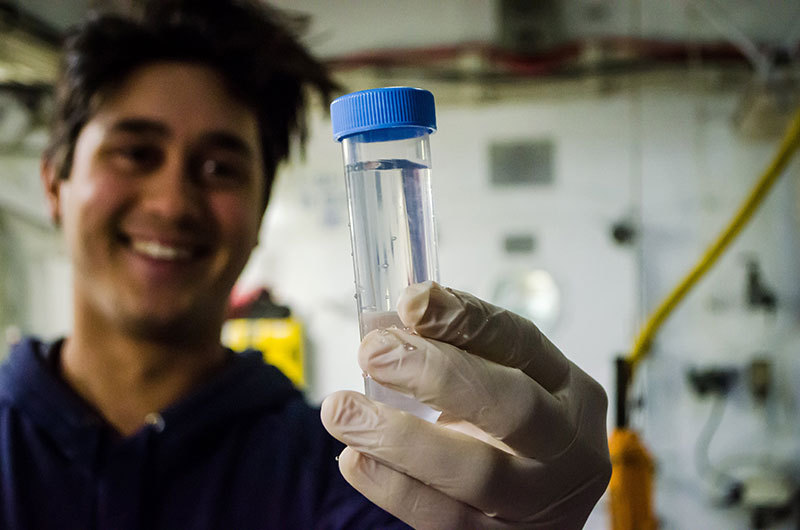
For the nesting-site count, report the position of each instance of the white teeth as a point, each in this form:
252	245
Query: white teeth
156	250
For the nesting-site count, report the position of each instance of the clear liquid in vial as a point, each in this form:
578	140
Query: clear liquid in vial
392	229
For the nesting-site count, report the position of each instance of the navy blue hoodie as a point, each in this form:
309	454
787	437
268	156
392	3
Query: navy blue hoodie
243	452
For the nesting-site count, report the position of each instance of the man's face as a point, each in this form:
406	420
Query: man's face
163	203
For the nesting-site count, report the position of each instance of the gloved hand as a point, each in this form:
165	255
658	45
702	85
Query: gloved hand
521	442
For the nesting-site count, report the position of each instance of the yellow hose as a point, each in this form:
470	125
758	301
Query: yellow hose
789	145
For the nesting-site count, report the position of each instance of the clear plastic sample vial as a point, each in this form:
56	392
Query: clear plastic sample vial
384	134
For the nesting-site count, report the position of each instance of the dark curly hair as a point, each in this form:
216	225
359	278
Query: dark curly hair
255	48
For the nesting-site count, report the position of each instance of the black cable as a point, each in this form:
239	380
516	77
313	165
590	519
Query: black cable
623	375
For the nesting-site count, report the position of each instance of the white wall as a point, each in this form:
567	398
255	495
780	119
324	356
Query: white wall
696	171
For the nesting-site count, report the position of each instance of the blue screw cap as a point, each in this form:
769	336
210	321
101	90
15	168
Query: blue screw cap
382	108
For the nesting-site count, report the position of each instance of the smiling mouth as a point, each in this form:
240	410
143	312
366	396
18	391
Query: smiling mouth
164	251
161	251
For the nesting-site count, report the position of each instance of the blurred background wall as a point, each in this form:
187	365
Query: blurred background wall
588	151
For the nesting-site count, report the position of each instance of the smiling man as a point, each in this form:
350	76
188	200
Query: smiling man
161	210
168	131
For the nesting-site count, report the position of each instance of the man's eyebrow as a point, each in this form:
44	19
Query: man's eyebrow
140	126
220	139
228	141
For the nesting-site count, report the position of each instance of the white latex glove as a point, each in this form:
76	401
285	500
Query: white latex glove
522	439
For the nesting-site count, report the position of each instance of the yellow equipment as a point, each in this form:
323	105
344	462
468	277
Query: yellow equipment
631	486
256	322
280	340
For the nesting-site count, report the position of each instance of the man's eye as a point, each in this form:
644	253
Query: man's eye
137	156
222	170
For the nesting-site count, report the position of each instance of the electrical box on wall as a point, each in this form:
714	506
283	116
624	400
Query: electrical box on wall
521	162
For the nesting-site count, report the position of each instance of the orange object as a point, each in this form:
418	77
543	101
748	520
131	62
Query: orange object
631	486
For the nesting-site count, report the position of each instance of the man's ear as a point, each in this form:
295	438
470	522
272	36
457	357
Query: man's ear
51	182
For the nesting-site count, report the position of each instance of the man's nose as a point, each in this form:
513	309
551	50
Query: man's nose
172	194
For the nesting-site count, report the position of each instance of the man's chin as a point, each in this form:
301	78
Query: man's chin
172	330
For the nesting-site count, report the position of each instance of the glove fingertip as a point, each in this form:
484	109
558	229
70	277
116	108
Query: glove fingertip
359	470
414	302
